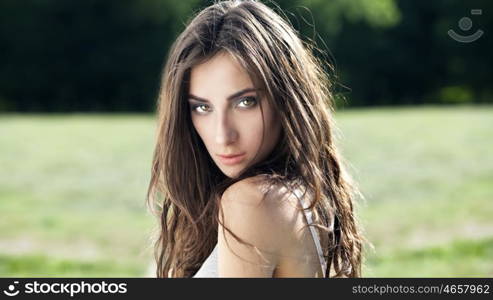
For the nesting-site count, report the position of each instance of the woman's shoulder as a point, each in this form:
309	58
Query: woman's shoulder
261	213
259	205
261	192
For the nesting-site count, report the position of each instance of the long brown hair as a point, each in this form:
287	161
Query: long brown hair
186	185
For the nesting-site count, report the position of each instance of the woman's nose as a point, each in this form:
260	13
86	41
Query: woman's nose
225	130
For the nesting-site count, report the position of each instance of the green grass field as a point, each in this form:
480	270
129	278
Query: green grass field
72	192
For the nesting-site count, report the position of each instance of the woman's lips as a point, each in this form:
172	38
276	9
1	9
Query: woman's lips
231	159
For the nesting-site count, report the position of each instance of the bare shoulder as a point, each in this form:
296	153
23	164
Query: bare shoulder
258	195
263	213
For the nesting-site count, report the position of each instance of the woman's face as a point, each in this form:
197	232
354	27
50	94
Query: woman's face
225	111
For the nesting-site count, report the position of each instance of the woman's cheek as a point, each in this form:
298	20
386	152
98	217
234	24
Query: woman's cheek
200	128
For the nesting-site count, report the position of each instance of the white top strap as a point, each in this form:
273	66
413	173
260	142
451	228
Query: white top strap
315	235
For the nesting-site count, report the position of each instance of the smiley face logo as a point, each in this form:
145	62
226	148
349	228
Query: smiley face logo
465	24
11	290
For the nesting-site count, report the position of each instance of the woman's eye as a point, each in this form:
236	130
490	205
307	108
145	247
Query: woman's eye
248	102
201	108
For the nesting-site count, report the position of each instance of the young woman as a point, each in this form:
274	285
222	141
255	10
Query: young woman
246	178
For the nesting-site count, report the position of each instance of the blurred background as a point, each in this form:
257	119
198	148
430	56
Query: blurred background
78	88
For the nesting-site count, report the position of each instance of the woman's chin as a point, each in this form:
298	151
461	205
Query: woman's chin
230	172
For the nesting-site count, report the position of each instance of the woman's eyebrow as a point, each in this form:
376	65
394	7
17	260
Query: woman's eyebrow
231	97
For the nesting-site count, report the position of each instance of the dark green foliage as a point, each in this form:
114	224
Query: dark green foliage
59	56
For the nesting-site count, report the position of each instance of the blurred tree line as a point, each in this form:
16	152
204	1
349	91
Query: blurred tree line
58	55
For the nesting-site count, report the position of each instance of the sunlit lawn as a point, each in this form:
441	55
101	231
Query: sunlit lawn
72	192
